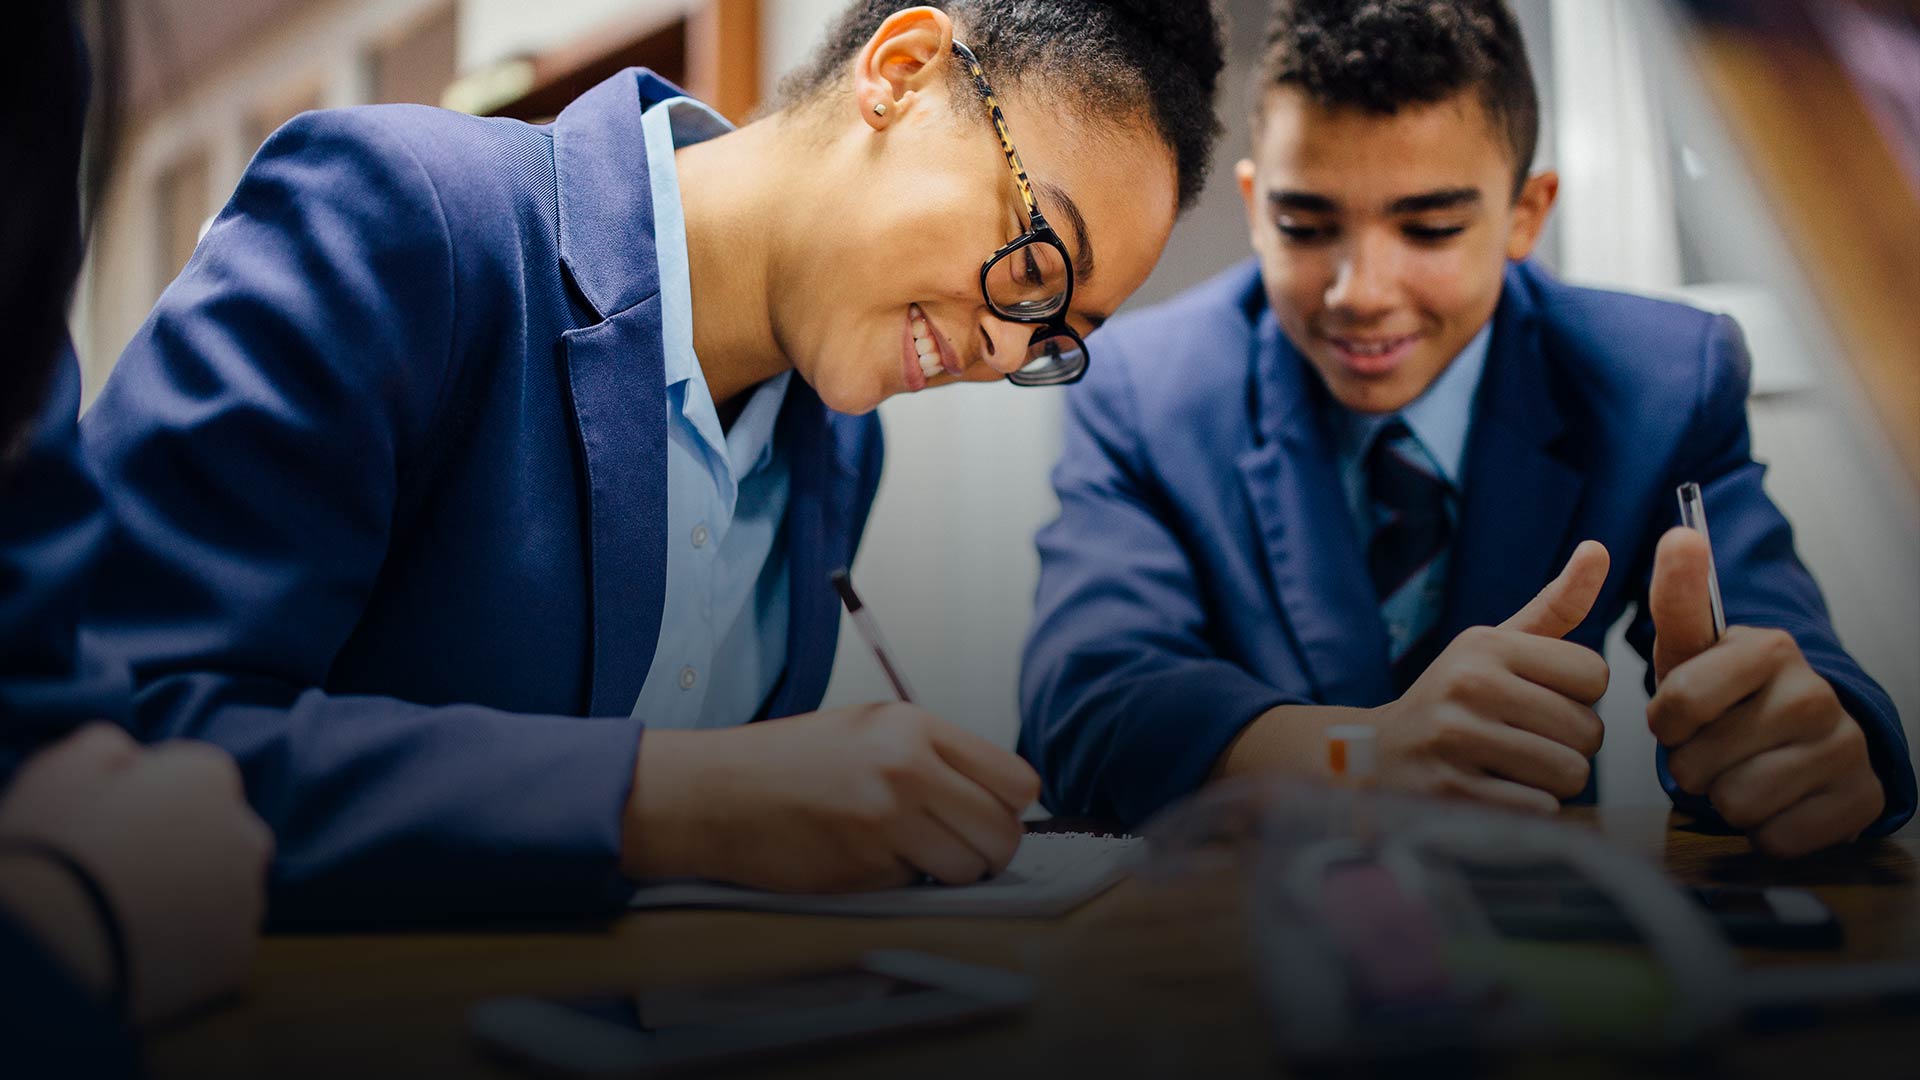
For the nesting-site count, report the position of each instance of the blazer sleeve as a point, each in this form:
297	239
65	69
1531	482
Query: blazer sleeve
1125	706
1762	580
253	443
52	527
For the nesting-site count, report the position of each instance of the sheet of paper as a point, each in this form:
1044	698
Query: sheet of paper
1050	875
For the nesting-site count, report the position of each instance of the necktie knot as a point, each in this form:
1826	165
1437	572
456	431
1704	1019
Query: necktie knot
1401	478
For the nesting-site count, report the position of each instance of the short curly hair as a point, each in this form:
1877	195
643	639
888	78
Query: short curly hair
1383	55
1157	59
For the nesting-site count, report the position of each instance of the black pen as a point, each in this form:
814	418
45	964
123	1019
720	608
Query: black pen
870	633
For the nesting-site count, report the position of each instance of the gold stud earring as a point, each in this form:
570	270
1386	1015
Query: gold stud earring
879	108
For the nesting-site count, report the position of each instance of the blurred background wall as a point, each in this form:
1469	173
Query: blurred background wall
1650	117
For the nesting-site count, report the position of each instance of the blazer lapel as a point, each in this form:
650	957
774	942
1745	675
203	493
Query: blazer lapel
605	200
1319	575
616	375
1520	490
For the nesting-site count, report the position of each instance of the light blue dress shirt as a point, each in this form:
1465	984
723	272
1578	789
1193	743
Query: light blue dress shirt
723	628
1441	418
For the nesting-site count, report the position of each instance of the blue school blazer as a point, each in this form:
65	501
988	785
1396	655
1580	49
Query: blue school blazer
389	463
52	526
1204	567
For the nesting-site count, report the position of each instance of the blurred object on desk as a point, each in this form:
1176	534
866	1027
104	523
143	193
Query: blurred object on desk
1382	927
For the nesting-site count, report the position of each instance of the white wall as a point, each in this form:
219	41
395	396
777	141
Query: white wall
789	29
496	30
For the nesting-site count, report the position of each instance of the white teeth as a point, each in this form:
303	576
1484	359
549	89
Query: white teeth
1358	348
923	344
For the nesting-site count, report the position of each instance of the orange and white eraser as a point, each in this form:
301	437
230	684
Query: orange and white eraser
1350	751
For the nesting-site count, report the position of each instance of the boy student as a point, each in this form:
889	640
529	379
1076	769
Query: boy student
1362	477
478	482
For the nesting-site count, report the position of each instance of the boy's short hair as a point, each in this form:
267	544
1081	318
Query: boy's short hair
1383	55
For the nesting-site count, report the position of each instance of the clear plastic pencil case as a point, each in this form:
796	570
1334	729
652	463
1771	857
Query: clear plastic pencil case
1382	927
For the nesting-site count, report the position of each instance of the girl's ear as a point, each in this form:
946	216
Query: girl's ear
904	58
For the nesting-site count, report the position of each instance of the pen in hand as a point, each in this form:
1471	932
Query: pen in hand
1693	514
870	633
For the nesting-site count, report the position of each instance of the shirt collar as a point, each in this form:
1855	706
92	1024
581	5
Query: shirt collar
1441	417
669	126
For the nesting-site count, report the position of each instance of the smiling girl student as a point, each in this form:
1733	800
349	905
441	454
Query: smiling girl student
481	481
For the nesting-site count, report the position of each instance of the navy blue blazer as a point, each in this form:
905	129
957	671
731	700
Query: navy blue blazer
1204	567
52	679
389	460
52	527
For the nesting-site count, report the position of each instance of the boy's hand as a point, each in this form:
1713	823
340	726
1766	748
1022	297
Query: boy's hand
1505	714
1748	723
857	798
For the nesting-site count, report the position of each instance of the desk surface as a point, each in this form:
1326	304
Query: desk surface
1131	984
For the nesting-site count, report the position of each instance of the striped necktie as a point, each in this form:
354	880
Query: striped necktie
1407	555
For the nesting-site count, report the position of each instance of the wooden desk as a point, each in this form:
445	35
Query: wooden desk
1135	983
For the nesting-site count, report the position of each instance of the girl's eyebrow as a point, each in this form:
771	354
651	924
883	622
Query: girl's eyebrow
1083	244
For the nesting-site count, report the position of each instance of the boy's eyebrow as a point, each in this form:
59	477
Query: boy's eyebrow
1445	199
1083	244
1308	202
1304	201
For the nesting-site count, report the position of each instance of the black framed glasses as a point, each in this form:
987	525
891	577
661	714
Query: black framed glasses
1030	280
